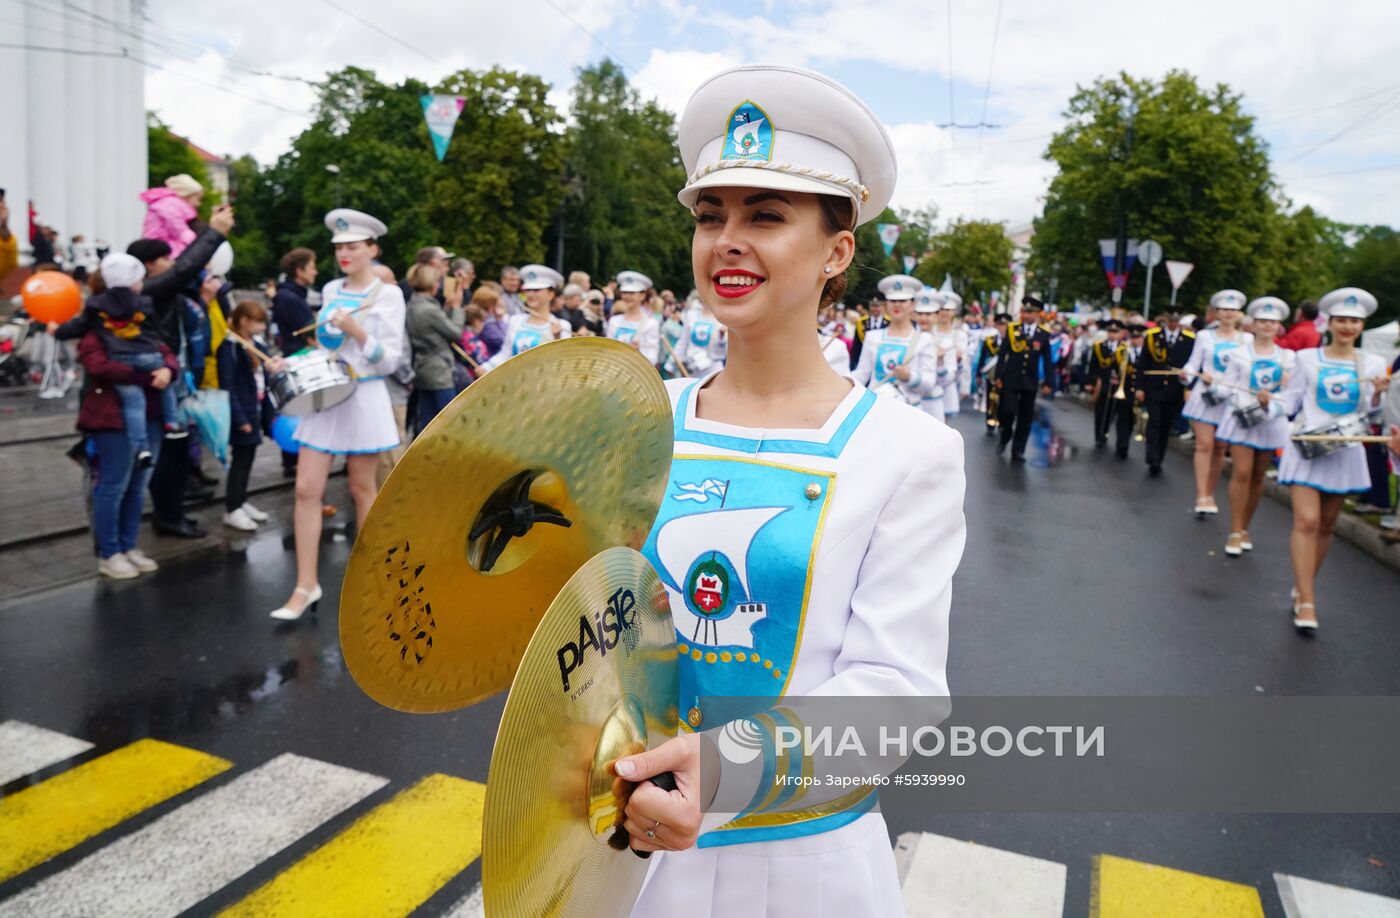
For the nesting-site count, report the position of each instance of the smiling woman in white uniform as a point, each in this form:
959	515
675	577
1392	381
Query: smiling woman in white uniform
951	339
1208	360
635	324
898	359
536	325
810	529
371	340
927	306
1262	368
1332	382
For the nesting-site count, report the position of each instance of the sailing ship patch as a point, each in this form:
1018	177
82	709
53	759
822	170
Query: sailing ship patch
734	543
749	134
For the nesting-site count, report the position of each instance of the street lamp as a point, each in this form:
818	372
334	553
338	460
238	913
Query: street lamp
333	169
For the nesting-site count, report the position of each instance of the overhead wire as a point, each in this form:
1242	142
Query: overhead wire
1360	122
382	31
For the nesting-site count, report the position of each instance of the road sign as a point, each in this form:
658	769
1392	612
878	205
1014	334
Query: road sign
1178	272
1150	253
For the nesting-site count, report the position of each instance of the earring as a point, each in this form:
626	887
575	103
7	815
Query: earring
826	270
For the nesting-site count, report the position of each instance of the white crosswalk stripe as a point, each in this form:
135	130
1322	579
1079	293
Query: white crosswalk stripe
469	906
952	879
25	748
1304	898
193	851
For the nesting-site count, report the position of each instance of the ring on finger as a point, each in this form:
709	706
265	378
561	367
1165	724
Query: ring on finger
651	833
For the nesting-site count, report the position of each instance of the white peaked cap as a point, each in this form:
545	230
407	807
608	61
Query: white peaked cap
928	301
900	287
348	225
632	282
1352	302
1268	307
540	277
788	129
1227	299
952	301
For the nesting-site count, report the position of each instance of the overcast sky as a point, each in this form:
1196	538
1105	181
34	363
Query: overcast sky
1322	77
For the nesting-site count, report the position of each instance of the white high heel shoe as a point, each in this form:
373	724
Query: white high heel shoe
288	614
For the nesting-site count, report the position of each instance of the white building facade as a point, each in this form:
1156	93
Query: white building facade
73	119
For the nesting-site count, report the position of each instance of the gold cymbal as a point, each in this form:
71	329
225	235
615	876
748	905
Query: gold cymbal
559	453
598	682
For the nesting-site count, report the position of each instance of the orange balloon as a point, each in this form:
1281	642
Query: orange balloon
51	296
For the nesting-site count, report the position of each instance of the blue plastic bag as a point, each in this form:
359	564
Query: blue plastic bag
208	411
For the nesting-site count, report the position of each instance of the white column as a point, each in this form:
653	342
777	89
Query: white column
80	169
14	153
132	180
45	125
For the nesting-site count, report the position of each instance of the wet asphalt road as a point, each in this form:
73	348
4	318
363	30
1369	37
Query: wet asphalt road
1081	577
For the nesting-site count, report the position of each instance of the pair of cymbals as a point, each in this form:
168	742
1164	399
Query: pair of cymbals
597	682
557	455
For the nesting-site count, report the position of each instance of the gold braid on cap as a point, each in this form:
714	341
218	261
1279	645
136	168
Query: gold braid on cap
856	188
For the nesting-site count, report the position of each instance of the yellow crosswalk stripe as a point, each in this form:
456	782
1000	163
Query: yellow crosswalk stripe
66	810
1122	888
388	862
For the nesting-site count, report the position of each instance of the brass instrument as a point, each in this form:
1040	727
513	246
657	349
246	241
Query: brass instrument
1122	392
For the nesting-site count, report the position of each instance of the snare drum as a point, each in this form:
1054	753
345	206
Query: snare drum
1350	425
1214	395
313	381
1249	413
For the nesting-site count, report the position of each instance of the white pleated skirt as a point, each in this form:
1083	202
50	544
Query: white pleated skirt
1271	435
933	404
1342	472
1197	410
952	401
362	424
847	871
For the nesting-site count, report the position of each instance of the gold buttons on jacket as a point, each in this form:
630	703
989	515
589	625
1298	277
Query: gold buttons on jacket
813	491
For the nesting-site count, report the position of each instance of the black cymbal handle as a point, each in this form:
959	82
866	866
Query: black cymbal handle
667	782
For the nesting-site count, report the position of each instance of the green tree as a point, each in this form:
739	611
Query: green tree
167	154
253	258
1196	180
1373	263
975	253
1304	257
917	229
623	171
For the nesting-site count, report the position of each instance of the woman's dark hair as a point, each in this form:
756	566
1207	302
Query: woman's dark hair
297	259
839	214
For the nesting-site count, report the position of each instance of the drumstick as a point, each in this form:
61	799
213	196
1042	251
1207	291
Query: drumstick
679	366
316	325
249	346
370	296
464	355
1218	382
1349	438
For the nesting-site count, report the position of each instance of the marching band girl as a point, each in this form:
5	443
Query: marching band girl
1330	383
926	312
952	340
635	324
536	324
847	507
1262	367
1207	364
702	345
371	340
899	357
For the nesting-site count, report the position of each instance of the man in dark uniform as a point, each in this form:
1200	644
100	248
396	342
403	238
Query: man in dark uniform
1167	347
991	346
1023	366
1103	376
1125	410
869	323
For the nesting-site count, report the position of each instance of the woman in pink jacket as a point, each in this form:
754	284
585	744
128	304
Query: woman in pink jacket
170	209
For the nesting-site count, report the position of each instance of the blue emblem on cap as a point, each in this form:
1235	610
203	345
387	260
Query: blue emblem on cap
899	285
341	224
748	134
1351	300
